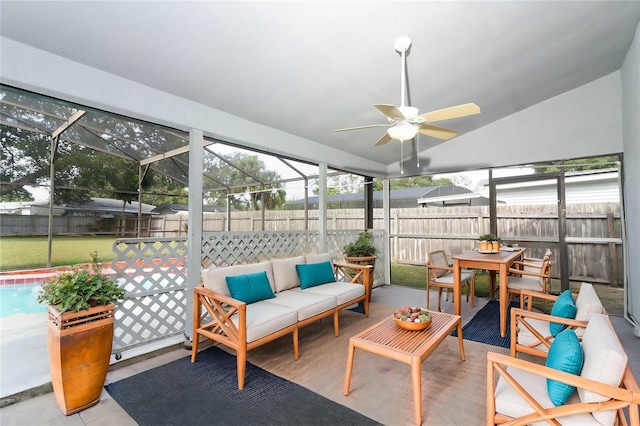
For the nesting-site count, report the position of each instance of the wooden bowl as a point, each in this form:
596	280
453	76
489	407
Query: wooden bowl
413	326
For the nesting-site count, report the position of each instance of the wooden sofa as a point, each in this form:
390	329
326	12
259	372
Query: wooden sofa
244	326
604	384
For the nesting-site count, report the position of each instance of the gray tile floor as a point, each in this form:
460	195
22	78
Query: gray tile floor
42	410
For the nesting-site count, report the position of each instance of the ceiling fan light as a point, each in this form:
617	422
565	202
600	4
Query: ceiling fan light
403	132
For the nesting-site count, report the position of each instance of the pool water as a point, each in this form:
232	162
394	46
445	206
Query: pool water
22	299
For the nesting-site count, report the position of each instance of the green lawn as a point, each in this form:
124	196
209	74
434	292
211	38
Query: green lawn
31	252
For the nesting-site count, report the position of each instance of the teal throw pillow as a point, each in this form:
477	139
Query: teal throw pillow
250	288
564	307
313	274
565	354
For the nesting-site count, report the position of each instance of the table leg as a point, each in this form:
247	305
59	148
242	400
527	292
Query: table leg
492	285
504	299
457	308
416	379
462	357
347	377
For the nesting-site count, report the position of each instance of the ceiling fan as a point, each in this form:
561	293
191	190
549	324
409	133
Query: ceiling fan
405	122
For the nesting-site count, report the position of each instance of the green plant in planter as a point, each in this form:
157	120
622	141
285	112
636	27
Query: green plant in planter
361	247
80	289
488	237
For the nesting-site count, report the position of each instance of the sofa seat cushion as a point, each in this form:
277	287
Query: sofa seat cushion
307	304
343	292
264	318
285	275
216	278
509	403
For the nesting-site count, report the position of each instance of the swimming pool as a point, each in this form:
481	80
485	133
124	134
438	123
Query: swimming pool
20	299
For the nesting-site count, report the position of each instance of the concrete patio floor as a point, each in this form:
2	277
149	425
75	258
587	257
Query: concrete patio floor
42	410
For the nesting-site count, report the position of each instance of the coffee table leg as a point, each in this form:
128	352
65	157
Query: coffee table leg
347	377
416	378
460	340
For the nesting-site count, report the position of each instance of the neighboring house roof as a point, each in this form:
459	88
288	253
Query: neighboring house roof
580	187
100	206
394	194
167	208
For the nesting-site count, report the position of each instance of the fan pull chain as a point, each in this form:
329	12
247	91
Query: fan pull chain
401	157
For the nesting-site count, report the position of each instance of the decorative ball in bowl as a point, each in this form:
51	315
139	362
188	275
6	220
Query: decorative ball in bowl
411	318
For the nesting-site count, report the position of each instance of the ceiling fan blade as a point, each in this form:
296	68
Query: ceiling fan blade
360	127
390	111
385	139
451	112
437	132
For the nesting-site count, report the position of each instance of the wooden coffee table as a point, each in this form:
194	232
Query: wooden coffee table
411	347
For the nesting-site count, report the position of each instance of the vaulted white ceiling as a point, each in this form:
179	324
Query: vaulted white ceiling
307	68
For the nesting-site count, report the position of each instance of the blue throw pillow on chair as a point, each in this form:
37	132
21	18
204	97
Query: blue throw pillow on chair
565	307
250	288
313	274
565	354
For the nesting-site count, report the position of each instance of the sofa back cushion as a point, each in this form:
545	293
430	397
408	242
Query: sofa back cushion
215	278
284	272
250	288
317	258
314	274
604	361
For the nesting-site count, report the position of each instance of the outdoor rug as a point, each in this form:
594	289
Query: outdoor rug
484	327
206	392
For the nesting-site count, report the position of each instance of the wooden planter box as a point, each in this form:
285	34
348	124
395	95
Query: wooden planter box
79	352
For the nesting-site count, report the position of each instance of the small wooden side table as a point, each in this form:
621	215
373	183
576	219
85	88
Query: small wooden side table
411	347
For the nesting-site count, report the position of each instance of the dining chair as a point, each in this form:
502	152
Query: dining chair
529	276
440	275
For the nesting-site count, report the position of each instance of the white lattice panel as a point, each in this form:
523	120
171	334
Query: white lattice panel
153	272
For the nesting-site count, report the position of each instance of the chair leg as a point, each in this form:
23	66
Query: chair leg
241	355
427	296
439	299
472	290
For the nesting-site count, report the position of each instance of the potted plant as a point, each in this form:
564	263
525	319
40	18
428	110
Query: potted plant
488	242
361	252
80	334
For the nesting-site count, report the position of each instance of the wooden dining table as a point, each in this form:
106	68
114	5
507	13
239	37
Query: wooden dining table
494	263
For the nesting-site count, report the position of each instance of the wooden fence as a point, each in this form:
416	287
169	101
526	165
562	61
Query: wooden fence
594	231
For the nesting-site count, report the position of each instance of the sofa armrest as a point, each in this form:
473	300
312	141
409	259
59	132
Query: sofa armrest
220	309
359	274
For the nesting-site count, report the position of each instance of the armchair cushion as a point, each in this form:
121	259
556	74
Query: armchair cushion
604	361
587	303
314	274
565	354
250	288
564	307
